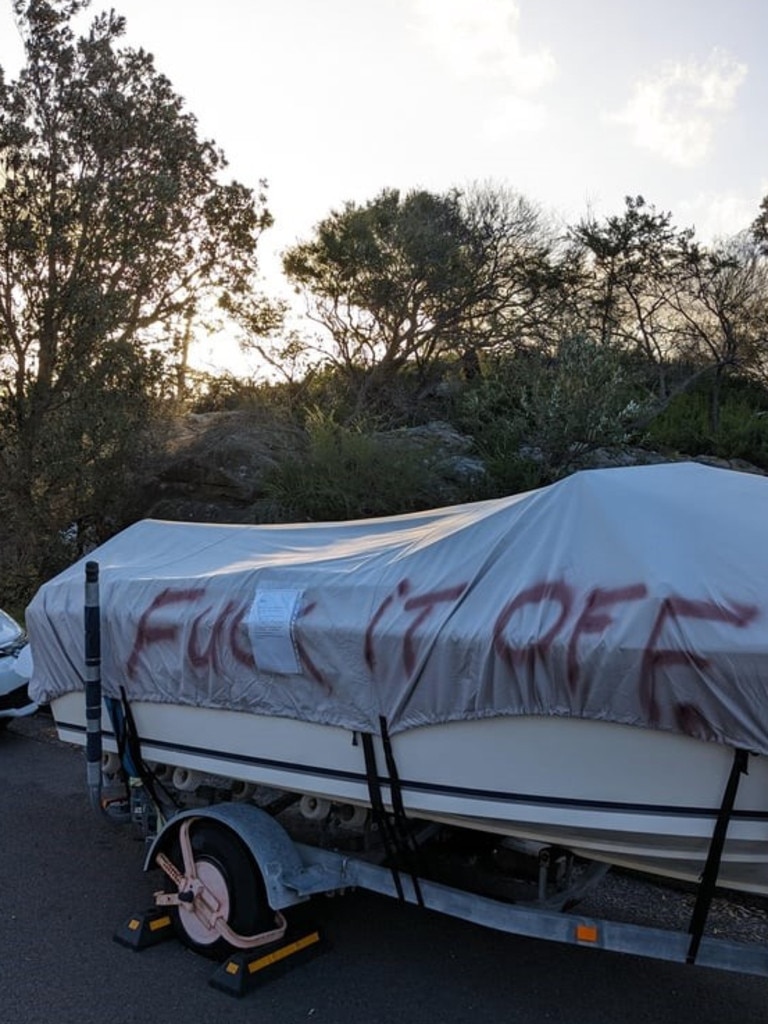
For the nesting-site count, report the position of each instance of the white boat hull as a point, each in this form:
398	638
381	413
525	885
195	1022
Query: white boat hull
628	796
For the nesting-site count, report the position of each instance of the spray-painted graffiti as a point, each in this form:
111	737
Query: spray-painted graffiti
672	610
400	603
149	632
570	618
574	618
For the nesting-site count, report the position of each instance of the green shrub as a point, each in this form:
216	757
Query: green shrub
345	473
742	432
533	415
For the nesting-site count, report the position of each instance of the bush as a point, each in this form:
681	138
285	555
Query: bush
685	426
533	415
345	473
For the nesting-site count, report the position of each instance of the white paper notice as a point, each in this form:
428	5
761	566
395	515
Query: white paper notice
270	630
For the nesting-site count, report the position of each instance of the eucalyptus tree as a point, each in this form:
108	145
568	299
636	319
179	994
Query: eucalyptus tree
116	228
654	289
635	266
759	227
410	278
722	313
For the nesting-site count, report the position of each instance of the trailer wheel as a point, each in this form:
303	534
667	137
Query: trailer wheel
227	869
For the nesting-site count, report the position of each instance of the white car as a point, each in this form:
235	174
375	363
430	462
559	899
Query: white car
15	671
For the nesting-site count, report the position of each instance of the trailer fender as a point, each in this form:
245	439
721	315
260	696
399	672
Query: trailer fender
272	849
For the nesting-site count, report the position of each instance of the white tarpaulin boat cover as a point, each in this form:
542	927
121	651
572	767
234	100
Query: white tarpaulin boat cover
634	595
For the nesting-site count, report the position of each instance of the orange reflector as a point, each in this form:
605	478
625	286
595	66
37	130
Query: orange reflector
586	933
133	924
158	923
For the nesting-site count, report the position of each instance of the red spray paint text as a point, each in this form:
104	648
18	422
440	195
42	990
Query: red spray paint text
571	616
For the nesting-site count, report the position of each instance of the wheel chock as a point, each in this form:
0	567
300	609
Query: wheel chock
243	971
146	929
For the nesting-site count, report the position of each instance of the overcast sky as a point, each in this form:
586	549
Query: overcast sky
574	103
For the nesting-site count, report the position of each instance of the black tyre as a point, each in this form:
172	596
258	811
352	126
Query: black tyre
224	864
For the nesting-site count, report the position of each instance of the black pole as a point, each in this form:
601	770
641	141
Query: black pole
93	683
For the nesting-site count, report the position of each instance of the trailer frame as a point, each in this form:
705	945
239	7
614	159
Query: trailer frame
293	872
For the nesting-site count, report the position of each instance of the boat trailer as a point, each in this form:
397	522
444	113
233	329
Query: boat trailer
294	872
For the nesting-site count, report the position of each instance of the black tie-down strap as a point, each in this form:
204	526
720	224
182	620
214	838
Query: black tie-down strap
712	865
131	759
399	844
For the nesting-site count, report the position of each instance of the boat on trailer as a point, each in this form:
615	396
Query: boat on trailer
575	675
582	666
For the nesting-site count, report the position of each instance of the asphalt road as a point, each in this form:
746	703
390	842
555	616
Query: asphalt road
69	880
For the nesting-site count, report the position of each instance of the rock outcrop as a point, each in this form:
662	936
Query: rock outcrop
215	465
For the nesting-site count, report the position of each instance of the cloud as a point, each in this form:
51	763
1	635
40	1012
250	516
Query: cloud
512	114
675	112
480	39
718	215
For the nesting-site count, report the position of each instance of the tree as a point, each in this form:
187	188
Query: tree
722	312
759	227
636	263
655	290
407	279
115	230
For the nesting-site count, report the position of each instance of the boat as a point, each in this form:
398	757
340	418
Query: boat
583	666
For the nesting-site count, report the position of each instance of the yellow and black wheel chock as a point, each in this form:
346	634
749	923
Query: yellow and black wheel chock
245	970
146	929
242	970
